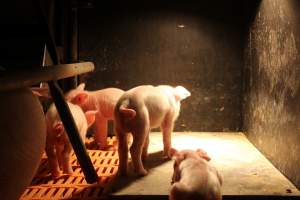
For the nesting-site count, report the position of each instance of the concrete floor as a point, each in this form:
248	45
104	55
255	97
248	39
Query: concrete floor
244	169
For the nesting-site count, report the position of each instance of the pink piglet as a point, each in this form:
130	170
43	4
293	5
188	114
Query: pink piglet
138	111
104	101
58	146
194	178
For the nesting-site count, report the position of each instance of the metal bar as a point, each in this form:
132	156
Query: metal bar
72	131
24	78
63	109
70	37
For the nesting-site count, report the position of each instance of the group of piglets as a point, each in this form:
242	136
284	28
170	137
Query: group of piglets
145	107
135	111
88	108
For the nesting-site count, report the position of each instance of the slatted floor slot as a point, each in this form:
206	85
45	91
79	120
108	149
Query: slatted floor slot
74	186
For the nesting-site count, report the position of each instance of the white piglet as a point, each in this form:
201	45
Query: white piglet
138	111
194	178
58	146
104	101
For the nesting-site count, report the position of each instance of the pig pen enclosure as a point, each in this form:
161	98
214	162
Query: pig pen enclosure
239	59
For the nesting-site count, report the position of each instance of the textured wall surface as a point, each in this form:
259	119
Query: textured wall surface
195	44
272	96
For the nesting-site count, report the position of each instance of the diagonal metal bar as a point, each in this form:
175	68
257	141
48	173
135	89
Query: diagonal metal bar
62	107
72	131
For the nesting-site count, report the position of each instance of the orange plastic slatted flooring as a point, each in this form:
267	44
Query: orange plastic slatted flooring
74	186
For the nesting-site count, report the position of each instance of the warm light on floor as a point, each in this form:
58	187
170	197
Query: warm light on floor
244	169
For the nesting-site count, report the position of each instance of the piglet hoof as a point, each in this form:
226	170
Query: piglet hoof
167	154
105	147
68	174
171	152
115	143
122	173
68	171
142	172
109	148
55	174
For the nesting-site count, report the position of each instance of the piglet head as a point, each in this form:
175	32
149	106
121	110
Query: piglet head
90	117
78	95
179	156
181	93
80	98
183	154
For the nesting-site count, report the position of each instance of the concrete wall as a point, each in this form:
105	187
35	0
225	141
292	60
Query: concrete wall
272	96
195	44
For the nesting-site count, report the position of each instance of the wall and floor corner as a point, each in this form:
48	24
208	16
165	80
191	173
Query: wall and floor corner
272	95
200	46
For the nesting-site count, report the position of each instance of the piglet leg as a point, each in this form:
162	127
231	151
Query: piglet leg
59	149
66	161
123	152
145	148
167	128
136	150
100	132
52	160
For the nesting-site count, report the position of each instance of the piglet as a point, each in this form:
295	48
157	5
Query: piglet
102	100
194	178
138	111
58	146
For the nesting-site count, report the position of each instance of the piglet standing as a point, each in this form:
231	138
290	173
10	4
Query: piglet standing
58	146
102	100
140	109
194	178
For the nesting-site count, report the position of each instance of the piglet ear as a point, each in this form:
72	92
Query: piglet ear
81	86
203	154
41	92
90	116
36	93
80	98
181	93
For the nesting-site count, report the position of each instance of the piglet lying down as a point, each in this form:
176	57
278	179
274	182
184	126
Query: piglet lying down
138	111
194	178
58	146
